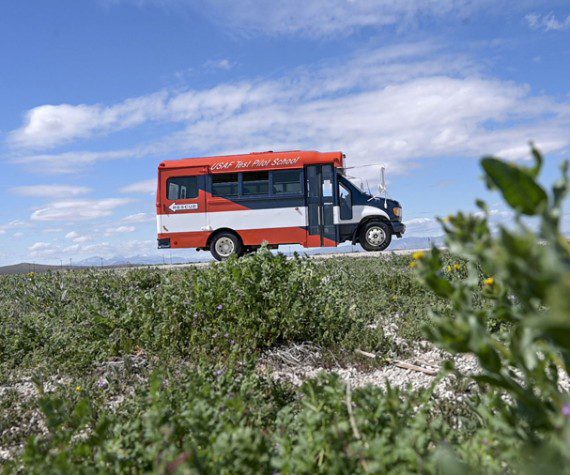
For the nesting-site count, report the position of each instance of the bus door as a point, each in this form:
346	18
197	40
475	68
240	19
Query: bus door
183	200
320	203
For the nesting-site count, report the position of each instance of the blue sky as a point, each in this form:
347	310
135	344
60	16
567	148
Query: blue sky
94	94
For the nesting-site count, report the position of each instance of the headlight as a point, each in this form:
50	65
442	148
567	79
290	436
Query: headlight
398	212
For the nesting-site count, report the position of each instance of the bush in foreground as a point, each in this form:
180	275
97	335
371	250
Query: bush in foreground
526	280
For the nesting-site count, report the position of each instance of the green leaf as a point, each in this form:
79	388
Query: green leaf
518	186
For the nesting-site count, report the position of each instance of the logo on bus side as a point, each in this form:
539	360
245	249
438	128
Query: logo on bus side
239	164
174	207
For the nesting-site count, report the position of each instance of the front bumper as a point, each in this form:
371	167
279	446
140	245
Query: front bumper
398	228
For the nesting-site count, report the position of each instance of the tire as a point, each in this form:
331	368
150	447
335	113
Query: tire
375	236
224	245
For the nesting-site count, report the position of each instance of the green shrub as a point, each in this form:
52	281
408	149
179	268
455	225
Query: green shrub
526	281
70	320
234	422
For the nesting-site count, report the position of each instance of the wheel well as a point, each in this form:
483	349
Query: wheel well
219	231
364	222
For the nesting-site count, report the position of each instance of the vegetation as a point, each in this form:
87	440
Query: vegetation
152	370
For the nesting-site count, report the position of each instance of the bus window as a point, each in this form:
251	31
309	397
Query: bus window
327	181
225	184
182	187
345	201
287	182
255	183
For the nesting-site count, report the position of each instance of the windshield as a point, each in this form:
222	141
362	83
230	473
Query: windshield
359	183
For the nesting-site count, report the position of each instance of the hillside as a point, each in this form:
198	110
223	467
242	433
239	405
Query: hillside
26	267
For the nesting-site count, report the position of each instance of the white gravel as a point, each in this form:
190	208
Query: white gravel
297	364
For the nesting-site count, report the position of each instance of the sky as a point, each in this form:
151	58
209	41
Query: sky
94	94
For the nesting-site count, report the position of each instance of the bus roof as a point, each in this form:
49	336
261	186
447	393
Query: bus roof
258	161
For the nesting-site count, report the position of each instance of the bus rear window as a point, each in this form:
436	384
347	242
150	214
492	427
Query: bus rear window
287	182
225	184
182	187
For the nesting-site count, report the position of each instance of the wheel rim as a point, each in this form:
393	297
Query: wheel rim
225	247
375	236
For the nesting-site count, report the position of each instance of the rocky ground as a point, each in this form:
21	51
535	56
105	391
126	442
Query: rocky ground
419	369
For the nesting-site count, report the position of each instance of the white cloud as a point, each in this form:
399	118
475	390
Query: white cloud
71	162
49	125
138	218
50	191
77	210
547	22
52	125
119	230
71	249
77	238
323	18
316	18
224	64
42	249
39	246
146	187
422	227
14	224
98	247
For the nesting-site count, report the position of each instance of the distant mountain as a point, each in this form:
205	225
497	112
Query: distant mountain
137	261
26	267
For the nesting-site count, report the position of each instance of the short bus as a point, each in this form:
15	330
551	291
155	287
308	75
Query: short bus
233	204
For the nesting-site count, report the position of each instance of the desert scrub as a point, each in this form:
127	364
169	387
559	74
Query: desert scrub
66	321
387	290
237	422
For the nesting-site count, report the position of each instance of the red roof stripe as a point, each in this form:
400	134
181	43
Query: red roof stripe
257	161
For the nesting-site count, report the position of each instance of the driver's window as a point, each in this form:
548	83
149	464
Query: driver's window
345	197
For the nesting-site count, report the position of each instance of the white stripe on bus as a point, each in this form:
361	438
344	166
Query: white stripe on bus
253	219
238	220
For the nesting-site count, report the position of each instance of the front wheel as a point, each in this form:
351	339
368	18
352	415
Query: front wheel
224	245
375	236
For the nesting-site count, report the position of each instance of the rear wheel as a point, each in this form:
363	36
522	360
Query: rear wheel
224	245
375	236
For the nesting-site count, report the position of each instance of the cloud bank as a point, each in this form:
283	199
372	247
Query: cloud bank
389	106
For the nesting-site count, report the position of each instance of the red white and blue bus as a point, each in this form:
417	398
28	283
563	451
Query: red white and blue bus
233	204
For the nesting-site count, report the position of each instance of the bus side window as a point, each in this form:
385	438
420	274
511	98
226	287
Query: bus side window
255	183
182	187
345	197
225	184
287	182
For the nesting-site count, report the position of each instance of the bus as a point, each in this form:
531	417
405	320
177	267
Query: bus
231	205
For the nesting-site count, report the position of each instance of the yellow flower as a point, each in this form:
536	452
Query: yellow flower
413	264
418	255
457	266
78	389
449	268
489	281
